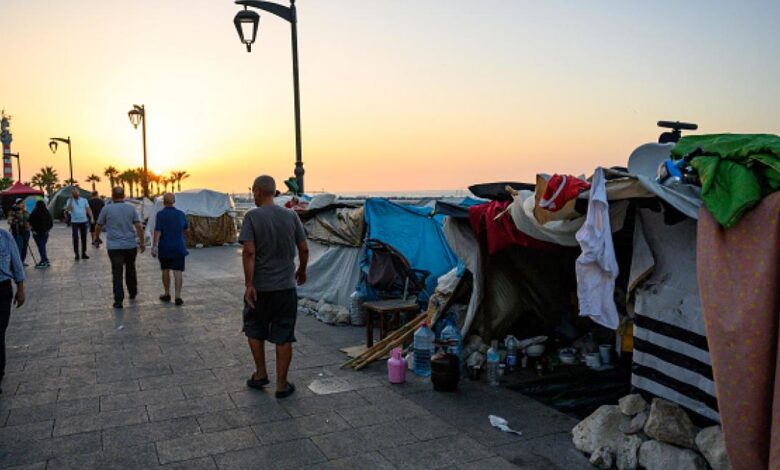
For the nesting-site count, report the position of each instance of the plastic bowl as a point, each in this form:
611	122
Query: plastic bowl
535	350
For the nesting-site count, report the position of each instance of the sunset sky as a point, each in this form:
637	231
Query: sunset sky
396	95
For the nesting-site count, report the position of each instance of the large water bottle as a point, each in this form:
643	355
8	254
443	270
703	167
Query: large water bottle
511	343
451	335
423	349
493	360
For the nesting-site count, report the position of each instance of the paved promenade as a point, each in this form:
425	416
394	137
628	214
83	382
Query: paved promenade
157	385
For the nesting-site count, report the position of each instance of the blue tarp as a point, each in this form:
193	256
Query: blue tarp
415	233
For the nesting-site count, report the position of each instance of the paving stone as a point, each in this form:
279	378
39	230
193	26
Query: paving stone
73	393
165	381
322	403
144	397
553	452
241	417
54	410
358	441
138	434
190	447
36	451
358	416
439	453
23	400
125	458
291	454
196	406
493	463
25	432
297	428
102	420
372	460
203	463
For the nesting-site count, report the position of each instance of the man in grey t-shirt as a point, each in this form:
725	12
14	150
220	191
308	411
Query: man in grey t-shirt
125	238
271	235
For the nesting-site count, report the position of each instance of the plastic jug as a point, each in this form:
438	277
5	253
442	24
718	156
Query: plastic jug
493	360
511	343
423	350
451	335
396	367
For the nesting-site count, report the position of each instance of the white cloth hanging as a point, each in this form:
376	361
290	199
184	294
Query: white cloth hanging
597	267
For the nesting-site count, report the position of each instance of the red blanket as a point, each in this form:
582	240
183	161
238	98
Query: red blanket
739	282
500	233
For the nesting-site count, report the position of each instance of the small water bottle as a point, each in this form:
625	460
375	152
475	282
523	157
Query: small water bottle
451	335
423	350
511	345
493	360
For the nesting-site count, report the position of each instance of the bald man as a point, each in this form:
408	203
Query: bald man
168	245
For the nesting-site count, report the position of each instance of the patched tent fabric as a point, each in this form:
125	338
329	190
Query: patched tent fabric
338	226
413	231
59	200
210	215
671	354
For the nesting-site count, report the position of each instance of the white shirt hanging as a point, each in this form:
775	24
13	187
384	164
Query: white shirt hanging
597	267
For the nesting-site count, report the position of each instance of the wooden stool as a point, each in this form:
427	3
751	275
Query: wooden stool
383	308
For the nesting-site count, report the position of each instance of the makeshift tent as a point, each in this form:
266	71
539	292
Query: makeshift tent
59	200
16	191
335	237
210	215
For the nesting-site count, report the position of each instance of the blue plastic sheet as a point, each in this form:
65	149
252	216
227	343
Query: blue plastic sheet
415	233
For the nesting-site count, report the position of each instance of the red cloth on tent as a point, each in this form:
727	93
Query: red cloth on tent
500	233
738	276
561	189
19	189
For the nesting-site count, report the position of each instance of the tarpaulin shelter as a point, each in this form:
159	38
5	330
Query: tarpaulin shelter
16	191
59	200
210	215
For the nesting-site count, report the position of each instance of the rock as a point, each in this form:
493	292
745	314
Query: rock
631	405
636	424
602	458
668	423
654	455
628	452
710	443
601	429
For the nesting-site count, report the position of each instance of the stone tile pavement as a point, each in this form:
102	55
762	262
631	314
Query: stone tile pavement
155	385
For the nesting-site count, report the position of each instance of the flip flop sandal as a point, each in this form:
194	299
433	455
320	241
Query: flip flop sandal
256	383
286	393
165	298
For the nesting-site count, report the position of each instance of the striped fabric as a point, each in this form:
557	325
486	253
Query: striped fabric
671	357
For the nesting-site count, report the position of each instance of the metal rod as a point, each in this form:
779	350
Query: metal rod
146	171
299	172
70	162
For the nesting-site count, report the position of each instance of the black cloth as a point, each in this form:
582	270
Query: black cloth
6	297
273	317
40	240
175	263
95	205
79	229
123	265
41	220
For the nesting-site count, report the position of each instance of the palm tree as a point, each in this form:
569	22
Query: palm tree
93	178
112	174
47	178
5	183
177	176
139	180
128	177
164	182
153	178
71	182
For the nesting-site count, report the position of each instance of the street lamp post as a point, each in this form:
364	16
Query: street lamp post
137	116
18	164
53	146
247	19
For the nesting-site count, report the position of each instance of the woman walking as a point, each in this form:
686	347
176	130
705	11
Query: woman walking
41	223
19	220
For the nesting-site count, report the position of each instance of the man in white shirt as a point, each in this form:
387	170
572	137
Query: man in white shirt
80	218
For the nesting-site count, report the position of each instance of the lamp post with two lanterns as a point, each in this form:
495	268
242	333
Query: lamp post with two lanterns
246	22
54	142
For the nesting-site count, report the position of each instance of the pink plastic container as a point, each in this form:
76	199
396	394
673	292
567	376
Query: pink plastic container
396	367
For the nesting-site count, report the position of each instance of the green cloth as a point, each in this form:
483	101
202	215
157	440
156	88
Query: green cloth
736	171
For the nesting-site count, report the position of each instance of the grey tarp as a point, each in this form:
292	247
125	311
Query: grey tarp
332	275
671	357
341	226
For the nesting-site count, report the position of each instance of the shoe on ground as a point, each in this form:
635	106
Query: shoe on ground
78	257
84	256
165	298
40	265
25	265
286	393
257	384
179	302
117	304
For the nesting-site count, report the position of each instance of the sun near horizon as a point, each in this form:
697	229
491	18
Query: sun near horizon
393	98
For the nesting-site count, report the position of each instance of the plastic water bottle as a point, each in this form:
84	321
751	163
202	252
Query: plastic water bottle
451	334
493	360
423	350
511	345
356	316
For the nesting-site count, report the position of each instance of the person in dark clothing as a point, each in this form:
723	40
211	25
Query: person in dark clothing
96	205
19	220
41	223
